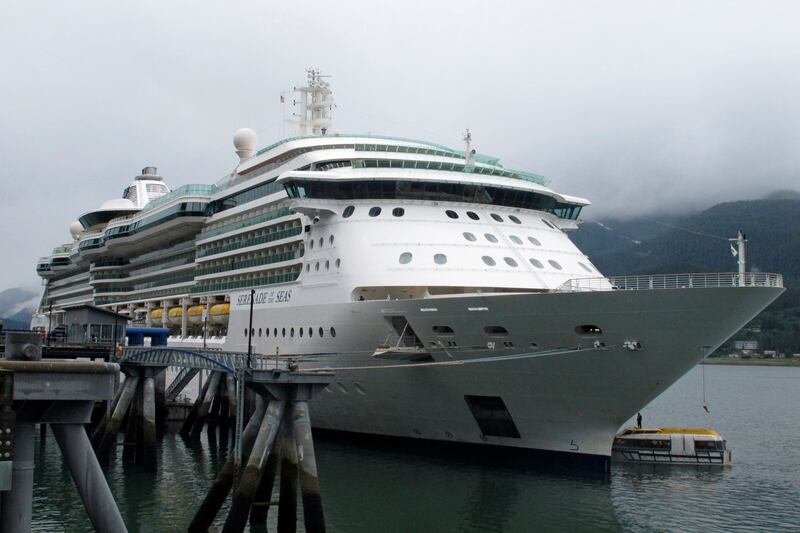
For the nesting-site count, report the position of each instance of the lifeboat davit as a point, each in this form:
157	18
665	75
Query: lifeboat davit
175	315
195	314
219	313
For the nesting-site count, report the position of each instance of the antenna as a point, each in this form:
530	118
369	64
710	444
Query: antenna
469	152
740	252
314	117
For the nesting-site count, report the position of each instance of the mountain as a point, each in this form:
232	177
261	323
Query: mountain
17	306
699	243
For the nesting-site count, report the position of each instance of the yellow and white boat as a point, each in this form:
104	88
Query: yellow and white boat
700	446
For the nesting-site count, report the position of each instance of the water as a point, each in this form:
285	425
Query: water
393	489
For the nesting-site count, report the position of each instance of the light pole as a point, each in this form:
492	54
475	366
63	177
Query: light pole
250	329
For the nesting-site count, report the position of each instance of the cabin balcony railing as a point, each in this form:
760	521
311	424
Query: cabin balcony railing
673	281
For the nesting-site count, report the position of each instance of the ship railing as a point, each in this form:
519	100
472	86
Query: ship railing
673	281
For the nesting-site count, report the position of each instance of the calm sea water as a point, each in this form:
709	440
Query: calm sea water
391	489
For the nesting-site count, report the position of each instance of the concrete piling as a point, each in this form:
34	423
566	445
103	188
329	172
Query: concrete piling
313	516
188	423
109	438
205	406
148	456
287	506
17	504
251	477
260	508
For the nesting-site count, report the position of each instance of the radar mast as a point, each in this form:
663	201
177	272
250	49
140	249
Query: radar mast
316	104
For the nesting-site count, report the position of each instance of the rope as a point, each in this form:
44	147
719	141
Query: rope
459	362
687	229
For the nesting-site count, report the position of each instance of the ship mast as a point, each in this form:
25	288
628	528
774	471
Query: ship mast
316	104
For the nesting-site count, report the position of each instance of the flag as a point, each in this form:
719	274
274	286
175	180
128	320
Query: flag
734	253
706	408
282	100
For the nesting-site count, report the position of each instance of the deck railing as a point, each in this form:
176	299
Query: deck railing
673	281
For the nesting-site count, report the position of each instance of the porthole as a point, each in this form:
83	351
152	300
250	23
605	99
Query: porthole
245	332
310	332
330	240
548	224
348	211
469	236
338	263
473	215
586	268
534	241
440	259
300	330
308	267
311	244
536	263
398	211
452	214
291	332
275	332
554	264
489	237
321	242
515	239
283	332
495	331
321	332
333	332
266	332
259	333
497	217
534	346
374	211
316	266
488	260
327	265
405	258
252	332
510	261
514	219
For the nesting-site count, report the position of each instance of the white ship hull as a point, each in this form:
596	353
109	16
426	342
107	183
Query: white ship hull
565	402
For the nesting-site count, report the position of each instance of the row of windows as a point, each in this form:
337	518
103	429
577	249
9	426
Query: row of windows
300	331
321	242
491	238
337	264
474	216
441	259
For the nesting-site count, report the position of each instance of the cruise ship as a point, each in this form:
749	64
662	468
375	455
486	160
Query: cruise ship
441	286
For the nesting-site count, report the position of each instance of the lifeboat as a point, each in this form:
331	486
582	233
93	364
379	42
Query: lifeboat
687	446
219	313
156	314
195	314
175	315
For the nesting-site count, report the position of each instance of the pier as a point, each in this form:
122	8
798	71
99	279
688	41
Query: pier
266	399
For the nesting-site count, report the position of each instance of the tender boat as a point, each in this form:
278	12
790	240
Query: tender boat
671	445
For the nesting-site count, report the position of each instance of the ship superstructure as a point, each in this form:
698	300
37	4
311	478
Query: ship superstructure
394	258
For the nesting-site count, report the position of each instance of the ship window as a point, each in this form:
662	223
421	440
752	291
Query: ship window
321	332
252	332
548	224
300	330
443	330
536	263
308	267
586	268
589	330
398	211
450	213
333	332
534	241
473	215
283	332
327	265
275	332
534	346
440	259
495	331
510	262
514	219
310	332
338	263
405	258
266	332
321	242
330	240
488	260
348	211
497	217
245	332
316	266
259	332
555	264
374	211
490	237
515	239
470	237
311	244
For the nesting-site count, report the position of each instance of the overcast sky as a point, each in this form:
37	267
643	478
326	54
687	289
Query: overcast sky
638	106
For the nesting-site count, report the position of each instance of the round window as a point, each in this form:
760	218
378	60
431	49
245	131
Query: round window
348	211
333	332
267	332
338	263
488	260
291	332
330	239
321	242
510	261
405	258
311	244
321	333
283	332
327	265
470	237
398	211
534	241
514	219
374	211
308	267
440	259
473	215
316	266
450	213
555	264
497	217
301	332
490	237
310	332
536	263
515	239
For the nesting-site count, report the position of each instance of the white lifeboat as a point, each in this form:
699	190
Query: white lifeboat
688	446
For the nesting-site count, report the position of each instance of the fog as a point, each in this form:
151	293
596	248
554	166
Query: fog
642	107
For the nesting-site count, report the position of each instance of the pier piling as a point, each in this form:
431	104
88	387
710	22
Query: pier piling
148	431
313	516
109	438
287	505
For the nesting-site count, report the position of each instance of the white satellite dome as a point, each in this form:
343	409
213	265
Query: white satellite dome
116	204
75	229
245	141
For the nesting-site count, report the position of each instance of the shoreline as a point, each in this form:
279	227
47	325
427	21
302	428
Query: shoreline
751	362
